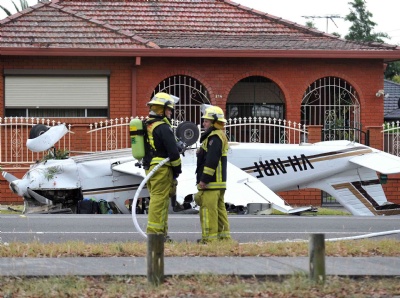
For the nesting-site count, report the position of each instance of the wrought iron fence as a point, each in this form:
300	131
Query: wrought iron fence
112	134
348	133
391	138
14	131
265	130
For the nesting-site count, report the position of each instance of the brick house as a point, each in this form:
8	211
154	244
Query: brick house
85	61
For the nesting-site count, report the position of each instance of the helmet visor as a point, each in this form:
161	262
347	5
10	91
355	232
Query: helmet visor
175	99
203	108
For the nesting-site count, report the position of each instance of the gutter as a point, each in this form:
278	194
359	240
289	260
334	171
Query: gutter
386	55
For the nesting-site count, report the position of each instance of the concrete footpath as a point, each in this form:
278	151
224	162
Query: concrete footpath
174	266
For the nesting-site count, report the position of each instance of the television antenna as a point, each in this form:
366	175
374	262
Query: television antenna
327	17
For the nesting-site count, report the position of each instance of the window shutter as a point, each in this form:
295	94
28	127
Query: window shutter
56	92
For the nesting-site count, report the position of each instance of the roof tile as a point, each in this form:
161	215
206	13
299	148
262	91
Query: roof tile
52	26
201	24
391	101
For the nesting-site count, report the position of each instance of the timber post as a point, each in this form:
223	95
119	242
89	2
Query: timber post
155	258
316	252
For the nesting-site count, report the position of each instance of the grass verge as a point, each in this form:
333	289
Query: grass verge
354	248
197	286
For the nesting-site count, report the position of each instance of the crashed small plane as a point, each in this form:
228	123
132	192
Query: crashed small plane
346	170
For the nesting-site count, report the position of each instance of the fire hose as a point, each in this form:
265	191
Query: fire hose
142	184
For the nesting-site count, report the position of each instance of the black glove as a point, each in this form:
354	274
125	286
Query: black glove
181	147
173	188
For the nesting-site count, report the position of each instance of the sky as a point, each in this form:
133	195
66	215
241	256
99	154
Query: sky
385	13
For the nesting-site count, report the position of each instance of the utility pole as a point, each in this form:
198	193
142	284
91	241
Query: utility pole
327	17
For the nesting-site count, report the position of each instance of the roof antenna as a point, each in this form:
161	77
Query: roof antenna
327	17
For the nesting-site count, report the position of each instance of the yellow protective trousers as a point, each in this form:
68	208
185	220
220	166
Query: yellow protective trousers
213	215
159	186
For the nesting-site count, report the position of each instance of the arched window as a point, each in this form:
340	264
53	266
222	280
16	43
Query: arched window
192	95
332	103
255	96
257	101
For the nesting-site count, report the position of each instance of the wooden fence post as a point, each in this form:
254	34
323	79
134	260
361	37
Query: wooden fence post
316	251
155	258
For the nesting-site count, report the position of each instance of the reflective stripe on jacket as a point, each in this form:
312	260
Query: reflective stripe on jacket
163	142
212	160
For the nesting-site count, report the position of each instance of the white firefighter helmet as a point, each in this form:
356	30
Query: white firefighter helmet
213	113
164	99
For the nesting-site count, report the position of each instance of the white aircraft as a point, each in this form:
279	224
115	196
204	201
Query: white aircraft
345	170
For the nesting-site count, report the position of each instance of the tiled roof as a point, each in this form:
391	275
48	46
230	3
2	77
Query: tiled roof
51	26
392	101
175	24
393	116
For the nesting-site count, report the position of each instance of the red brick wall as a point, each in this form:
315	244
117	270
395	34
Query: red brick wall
304	197
392	188
314	133
293	76
6	195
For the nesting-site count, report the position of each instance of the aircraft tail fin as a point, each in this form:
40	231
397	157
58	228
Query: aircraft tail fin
359	191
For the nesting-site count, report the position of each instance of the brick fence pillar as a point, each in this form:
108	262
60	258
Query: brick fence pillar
314	133
375	137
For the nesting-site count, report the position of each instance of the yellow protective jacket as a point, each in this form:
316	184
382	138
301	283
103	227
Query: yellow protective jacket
212	159
163	143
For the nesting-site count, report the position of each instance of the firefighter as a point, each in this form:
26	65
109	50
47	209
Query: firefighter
211	176
163	144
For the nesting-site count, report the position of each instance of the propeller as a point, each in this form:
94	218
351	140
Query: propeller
41	199
9	177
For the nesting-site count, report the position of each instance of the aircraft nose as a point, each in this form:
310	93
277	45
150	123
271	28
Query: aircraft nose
19	187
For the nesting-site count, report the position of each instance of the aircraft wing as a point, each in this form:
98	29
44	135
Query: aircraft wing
243	188
130	168
381	162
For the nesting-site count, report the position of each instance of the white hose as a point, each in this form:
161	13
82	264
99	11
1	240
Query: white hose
364	236
384	233
138	192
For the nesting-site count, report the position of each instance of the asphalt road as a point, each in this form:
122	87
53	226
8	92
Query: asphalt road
244	228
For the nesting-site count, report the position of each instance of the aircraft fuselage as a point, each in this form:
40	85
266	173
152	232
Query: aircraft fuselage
290	167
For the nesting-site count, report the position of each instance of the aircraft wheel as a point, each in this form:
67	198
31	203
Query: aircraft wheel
188	132
37	130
